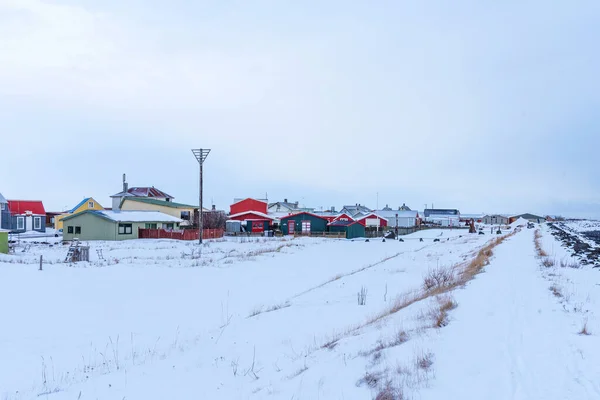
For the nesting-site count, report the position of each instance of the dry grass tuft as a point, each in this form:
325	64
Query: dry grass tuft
556	291
538	245
548	262
584	330
439	315
389	392
570	264
424	361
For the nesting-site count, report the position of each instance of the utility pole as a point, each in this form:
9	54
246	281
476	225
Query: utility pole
200	155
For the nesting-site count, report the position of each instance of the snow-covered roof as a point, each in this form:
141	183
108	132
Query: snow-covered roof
130	216
391	215
441	216
371	214
258	213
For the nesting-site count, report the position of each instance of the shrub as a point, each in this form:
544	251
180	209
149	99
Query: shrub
548	262
438	278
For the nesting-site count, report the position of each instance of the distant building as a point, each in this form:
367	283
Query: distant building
529	217
404	208
149	192
495	219
356	211
441	211
401	219
303	223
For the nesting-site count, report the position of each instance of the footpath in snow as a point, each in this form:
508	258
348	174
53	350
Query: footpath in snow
510	337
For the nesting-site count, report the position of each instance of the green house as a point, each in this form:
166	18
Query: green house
115	225
352	228
303	223
3	241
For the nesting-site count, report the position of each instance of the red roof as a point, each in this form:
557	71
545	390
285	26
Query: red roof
19	207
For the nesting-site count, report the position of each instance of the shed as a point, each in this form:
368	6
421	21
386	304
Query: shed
303	223
352	228
115	225
3	241
254	221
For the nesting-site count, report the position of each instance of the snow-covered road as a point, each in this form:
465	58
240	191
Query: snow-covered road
511	339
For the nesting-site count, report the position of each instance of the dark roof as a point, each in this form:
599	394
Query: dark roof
163	203
18	207
440	211
303	213
144	192
342	223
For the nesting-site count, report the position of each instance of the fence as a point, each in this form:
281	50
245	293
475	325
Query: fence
186	234
338	235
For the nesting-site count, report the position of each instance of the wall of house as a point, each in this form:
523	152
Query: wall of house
316	224
14	223
5	220
92	228
3	242
98	228
139	206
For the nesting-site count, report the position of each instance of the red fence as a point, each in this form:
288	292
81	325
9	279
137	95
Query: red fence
186	234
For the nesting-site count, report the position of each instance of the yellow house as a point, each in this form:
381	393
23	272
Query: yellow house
86	204
183	211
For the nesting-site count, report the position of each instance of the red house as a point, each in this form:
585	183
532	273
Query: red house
372	219
248	204
343	217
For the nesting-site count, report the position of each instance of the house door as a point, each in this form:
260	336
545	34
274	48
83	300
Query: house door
28	224
305	227
291	227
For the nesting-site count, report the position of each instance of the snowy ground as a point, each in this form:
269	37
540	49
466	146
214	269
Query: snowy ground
279	318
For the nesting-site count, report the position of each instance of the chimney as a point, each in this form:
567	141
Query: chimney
285	200
332	209
296	204
214	208
125	185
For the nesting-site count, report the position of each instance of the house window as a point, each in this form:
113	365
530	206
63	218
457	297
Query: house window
20	223
77	230
169	226
90	204
125	229
37	223
69	229
185	215
2	206
151	226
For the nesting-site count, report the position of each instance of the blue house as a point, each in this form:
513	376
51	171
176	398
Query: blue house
26	215
4	214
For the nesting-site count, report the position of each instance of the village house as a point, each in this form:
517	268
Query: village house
145	192
26	216
304	223
115	225
87	203
4	213
185	212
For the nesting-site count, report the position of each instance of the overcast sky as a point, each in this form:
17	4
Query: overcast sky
477	105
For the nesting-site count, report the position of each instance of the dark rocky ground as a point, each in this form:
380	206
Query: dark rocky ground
589	255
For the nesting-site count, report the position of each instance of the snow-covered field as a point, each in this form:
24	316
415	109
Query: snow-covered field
280	318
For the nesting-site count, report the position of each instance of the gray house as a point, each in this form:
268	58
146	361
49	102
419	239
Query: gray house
495	219
115	225
4	213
